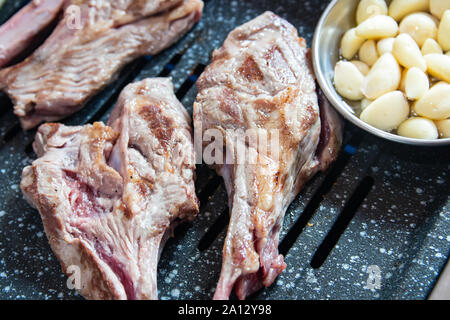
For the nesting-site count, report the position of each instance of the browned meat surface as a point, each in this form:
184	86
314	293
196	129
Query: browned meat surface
18	32
110	195
261	81
77	61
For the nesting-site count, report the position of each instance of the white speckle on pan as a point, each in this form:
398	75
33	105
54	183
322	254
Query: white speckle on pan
173	273
2	213
382	250
175	293
310	277
419	190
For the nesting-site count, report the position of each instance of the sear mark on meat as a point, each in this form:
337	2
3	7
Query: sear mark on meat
77	61
159	125
110	195
261	79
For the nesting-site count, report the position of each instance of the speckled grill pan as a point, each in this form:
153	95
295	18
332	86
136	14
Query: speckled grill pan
381	204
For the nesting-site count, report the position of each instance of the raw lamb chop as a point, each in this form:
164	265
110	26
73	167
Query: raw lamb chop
261	80
18	32
77	61
110	195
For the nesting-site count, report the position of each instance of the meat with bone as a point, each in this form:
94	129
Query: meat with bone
18	32
83	55
110	195
261	81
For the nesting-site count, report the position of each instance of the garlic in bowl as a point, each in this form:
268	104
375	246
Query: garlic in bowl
393	67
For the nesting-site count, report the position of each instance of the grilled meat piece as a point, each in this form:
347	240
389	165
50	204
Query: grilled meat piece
261	81
18	32
110	195
77	61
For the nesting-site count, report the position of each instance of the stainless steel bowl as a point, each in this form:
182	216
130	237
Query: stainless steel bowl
335	21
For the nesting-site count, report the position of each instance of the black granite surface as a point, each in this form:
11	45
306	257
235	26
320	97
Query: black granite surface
400	229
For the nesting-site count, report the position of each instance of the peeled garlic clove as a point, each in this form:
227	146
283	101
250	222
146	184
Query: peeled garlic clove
443	127
370	8
385	46
416	84
387	112
384	77
435	104
377	27
401	8
347	80
407	52
362	67
443	31
438	66
418	128
438	7
365	103
431	46
420	26
350	44
368	53
402	86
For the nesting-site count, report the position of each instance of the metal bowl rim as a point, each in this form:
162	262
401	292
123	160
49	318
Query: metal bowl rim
341	106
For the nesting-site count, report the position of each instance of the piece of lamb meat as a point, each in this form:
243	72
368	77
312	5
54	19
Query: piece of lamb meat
19	31
261	81
77	61
110	195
